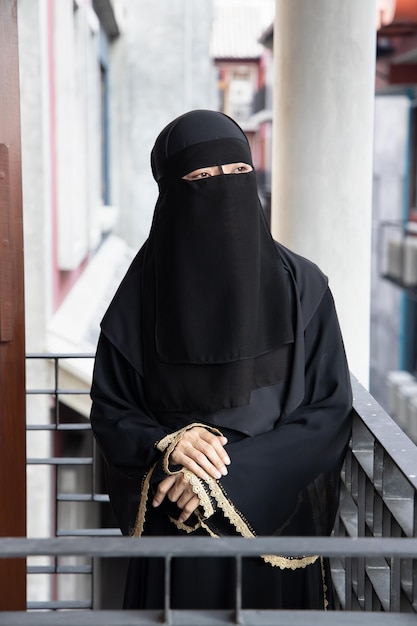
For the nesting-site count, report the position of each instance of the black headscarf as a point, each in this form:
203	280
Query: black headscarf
216	321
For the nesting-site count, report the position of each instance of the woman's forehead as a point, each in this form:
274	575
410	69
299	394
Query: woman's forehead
206	154
194	133
199	127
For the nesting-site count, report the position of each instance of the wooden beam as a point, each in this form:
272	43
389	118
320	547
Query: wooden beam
403	74
12	330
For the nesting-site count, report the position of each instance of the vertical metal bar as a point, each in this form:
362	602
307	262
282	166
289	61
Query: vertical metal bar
369	506
238	590
415	514
57	470
93	469
167	591
56	395
356	469
395	584
378	515
56	520
368	595
94	562
361	502
378	465
361	561
414	562
348	470
386	522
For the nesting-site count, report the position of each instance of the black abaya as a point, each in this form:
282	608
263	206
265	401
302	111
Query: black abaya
285	467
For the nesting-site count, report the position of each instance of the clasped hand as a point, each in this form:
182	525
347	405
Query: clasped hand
201	452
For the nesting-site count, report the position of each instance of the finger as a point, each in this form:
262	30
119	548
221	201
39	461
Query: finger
218	443
189	508
201	466
205	457
162	490
195	436
197	447
178	489
215	451
185	497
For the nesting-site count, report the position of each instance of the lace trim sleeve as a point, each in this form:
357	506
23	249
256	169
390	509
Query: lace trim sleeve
212	498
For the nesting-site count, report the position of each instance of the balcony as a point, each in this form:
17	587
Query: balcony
373	551
262	100
398	252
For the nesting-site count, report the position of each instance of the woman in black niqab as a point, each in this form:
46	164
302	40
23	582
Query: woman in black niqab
216	319
224	341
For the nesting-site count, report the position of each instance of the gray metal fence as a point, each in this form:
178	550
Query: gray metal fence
373	556
378	499
169	547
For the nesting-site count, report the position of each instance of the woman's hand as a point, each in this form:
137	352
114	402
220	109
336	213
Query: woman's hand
201	452
177	489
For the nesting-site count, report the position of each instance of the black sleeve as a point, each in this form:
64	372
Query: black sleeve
123	427
269	471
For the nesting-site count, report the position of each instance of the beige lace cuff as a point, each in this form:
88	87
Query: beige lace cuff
168	443
212	497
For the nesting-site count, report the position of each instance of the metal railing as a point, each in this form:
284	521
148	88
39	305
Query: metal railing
63	455
373	556
378	499
169	547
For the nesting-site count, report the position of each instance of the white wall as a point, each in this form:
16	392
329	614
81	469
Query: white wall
160	68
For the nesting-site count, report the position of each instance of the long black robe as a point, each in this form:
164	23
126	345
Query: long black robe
286	448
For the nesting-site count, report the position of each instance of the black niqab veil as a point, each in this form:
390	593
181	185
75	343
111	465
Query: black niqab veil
216	320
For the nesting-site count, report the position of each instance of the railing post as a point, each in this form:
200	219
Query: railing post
12	343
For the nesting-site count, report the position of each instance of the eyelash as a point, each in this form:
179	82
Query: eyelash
203	175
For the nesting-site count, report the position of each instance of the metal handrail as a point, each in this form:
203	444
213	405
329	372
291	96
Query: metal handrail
237	547
168	547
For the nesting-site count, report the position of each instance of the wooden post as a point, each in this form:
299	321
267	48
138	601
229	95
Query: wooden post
12	328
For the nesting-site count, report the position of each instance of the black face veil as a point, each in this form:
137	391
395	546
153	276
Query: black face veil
216	322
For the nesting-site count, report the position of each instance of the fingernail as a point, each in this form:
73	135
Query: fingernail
218	475
227	460
154	503
224	471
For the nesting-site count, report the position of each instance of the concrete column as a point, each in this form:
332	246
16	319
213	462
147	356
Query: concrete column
324	64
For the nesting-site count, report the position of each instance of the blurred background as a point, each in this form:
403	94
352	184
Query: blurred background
99	79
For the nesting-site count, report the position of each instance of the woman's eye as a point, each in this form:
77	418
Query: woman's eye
200	175
242	169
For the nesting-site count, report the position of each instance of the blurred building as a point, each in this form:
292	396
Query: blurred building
394	284
394	246
244	74
99	80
